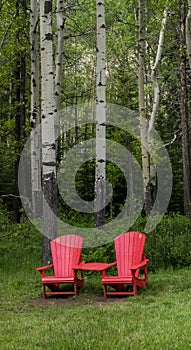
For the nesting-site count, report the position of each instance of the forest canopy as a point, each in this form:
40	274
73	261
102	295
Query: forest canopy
147	71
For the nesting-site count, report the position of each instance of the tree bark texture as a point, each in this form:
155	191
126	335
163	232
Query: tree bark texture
60	22
142	111
156	103
35	136
100	177
184	114
48	128
49	214
20	113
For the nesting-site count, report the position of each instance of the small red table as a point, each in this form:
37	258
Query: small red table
93	266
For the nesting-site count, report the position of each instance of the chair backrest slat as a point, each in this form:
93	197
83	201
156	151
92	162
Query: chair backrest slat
66	252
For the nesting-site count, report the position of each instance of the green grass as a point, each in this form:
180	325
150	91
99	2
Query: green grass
159	318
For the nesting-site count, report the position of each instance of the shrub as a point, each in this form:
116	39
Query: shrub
168	245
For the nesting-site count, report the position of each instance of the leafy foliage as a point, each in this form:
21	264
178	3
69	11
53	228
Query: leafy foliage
169	245
78	86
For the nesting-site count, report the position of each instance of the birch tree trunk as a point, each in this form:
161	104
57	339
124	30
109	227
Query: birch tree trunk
154	76
156	100
147	125
60	21
100	191
184	34
35	118
48	130
142	111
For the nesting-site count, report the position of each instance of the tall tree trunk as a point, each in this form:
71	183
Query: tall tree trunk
142	111
184	113
154	75
60	21
100	177
48	129
188	32
35	115
130	182
19	78
156	101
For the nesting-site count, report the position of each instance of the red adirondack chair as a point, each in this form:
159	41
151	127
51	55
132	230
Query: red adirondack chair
66	253
130	261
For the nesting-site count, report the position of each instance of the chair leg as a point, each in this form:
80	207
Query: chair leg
105	291
134	289
43	291
75	288
146	275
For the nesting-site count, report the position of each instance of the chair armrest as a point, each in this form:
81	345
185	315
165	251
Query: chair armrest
79	266
107	267
110	265
44	267
138	266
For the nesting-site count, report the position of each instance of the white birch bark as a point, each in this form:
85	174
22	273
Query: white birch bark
48	128
142	110
154	75
47	89
35	119
156	90
146	126
100	115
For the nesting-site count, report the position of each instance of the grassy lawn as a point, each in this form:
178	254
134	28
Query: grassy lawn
159	318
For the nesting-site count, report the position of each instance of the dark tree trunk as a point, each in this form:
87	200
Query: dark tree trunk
19	79
184	114
99	216
49	215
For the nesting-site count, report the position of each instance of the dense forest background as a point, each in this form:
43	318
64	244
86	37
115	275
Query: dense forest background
171	75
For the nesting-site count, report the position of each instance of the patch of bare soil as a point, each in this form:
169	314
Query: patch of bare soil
75	301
